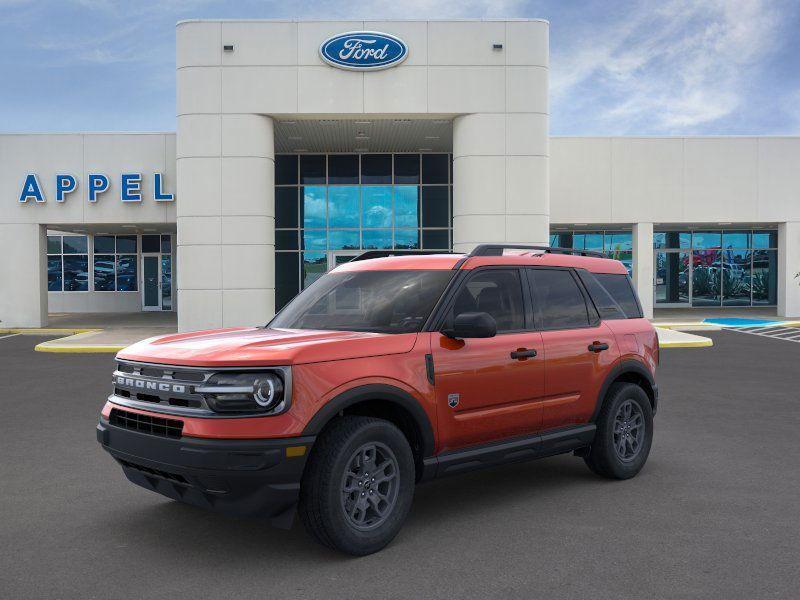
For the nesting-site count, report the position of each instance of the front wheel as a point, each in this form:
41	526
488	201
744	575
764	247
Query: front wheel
358	486
624	433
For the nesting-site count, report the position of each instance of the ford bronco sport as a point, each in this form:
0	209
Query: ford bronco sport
389	371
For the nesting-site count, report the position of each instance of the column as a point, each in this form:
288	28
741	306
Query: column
23	276
643	265
501	190
226	223
788	267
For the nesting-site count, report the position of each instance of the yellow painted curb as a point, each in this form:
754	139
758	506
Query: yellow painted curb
46	331
704	343
45	347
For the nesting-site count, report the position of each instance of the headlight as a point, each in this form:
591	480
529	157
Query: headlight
260	393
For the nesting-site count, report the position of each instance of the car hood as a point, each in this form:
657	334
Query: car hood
241	347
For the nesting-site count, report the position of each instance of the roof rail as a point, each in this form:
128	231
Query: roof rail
497	250
384	253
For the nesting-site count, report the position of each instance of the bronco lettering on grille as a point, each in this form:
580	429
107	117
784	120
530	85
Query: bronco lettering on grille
151	385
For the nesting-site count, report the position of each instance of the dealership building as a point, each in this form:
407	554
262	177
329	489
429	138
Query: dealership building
301	144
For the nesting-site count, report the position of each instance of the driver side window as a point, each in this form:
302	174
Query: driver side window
498	293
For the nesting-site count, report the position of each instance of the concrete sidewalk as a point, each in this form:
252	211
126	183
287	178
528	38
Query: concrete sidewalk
110	333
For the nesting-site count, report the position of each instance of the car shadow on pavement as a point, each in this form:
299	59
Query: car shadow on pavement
202	535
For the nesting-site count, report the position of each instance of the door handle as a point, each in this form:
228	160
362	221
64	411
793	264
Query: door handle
523	353
597	347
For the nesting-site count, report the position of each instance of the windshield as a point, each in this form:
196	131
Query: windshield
376	301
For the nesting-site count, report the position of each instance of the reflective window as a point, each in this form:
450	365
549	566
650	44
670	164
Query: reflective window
312	168
75	244
286	169
435	168
314	266
376	168
126	244
76	273
406	239
406	206
706	277
126	273
315	239
350	202
559	300
150	243
377	239
706	239
342	168
67	263
54	244
104	276
55	279
313	206
406	168
495	292
736	239
343	239
377	206
286	207
765	277
104	244
166	244
166	282
618	241
719	268
672	278
343	206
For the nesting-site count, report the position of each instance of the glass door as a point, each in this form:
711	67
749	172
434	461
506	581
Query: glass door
340	257
673	279
151	282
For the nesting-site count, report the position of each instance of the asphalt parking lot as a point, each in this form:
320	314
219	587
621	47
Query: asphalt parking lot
714	514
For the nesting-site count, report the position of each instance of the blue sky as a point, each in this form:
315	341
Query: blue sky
617	67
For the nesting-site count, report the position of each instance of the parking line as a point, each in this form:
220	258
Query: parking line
2	337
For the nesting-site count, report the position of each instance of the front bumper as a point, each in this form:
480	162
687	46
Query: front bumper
251	478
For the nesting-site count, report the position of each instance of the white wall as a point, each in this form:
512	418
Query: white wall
78	154
674	180
226	101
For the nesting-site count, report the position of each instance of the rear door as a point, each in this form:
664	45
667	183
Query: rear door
483	393
579	348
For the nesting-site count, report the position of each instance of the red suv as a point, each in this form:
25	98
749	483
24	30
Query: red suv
386	372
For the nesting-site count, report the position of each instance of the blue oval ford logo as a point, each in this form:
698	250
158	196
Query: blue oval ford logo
363	50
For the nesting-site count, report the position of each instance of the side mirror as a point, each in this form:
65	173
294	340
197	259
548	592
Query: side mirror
472	325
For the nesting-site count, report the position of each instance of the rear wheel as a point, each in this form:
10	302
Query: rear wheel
624	433
358	486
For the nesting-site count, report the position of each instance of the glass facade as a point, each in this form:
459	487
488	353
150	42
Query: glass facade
329	207
716	267
614	244
106	263
67	263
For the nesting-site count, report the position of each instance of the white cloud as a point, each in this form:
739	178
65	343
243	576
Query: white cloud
669	67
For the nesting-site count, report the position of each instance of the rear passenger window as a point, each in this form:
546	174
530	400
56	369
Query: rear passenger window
559	299
608	308
498	293
621	290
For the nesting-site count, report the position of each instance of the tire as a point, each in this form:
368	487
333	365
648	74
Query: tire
621	454
342	507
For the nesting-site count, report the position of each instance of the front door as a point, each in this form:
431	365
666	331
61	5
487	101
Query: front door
483	392
151	282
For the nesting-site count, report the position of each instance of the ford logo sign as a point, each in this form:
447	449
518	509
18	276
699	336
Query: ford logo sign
363	50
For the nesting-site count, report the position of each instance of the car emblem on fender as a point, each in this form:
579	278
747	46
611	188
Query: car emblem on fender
452	400
363	50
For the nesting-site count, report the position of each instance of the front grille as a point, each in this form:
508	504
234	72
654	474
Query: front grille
157	472
169	428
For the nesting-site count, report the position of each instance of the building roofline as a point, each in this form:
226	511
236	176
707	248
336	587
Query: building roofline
463	20
12	133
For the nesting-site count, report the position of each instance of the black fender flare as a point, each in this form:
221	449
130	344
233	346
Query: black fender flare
621	368
375	391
